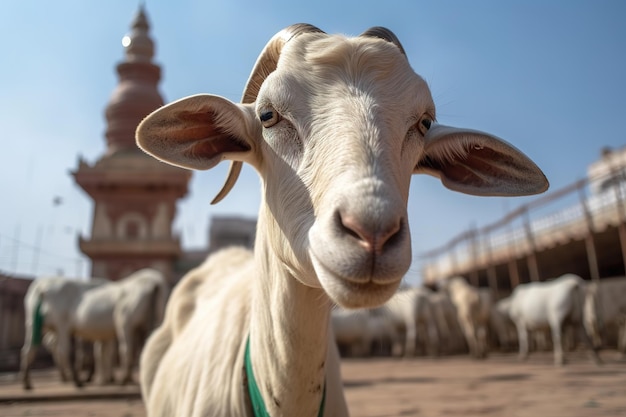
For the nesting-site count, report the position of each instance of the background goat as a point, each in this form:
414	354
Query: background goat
413	316
126	310
605	313
472	309
49	304
553	305
97	310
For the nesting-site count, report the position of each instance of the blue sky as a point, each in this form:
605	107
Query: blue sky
548	76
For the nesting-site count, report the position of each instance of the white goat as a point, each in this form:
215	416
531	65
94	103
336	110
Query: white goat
451	337
83	355
98	310
128	309
412	314
501	325
536	306
352	331
472	308
48	308
605	312
335	127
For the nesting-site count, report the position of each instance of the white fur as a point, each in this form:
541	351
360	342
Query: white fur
605	312
472	310
413	315
352	331
59	296
97	310
501	325
451	337
536	306
128	309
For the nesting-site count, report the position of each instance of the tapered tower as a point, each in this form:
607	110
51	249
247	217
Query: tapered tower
134	195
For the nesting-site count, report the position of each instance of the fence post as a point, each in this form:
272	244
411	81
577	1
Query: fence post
512	256
473	275
453	261
590	247
492	276
531	259
621	215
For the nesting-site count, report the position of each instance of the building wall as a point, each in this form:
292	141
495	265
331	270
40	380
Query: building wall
12	292
231	231
608	171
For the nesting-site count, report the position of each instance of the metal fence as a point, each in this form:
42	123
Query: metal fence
576	211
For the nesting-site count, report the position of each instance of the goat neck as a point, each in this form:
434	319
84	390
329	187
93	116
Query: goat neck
289	334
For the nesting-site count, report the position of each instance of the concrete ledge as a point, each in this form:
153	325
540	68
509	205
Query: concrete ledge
34	396
47	387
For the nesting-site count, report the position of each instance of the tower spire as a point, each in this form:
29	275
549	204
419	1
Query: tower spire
136	94
134	195
139	46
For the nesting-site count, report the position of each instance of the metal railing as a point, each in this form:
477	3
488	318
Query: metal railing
524	231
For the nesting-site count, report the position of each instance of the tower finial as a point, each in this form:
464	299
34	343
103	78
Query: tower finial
138	44
137	93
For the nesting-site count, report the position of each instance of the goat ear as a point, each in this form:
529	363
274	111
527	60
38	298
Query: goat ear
478	163
197	132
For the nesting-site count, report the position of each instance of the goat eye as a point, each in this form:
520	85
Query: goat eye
424	124
269	117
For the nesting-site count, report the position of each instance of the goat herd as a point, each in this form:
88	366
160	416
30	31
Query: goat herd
459	318
452	319
335	126
115	316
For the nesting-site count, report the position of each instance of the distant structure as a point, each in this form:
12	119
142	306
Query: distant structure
224	231
609	172
578	229
134	199
231	231
134	195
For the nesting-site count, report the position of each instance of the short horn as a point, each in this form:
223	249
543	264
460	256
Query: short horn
264	66
233	174
385	34
268	59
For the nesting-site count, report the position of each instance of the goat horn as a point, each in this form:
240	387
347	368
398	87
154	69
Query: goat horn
267	61
233	174
265	65
385	34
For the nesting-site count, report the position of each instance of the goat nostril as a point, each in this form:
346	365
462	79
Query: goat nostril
373	239
354	228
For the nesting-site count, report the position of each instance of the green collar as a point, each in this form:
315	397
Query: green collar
258	406
37	324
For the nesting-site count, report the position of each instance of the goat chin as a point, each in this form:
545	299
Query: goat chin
351	293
